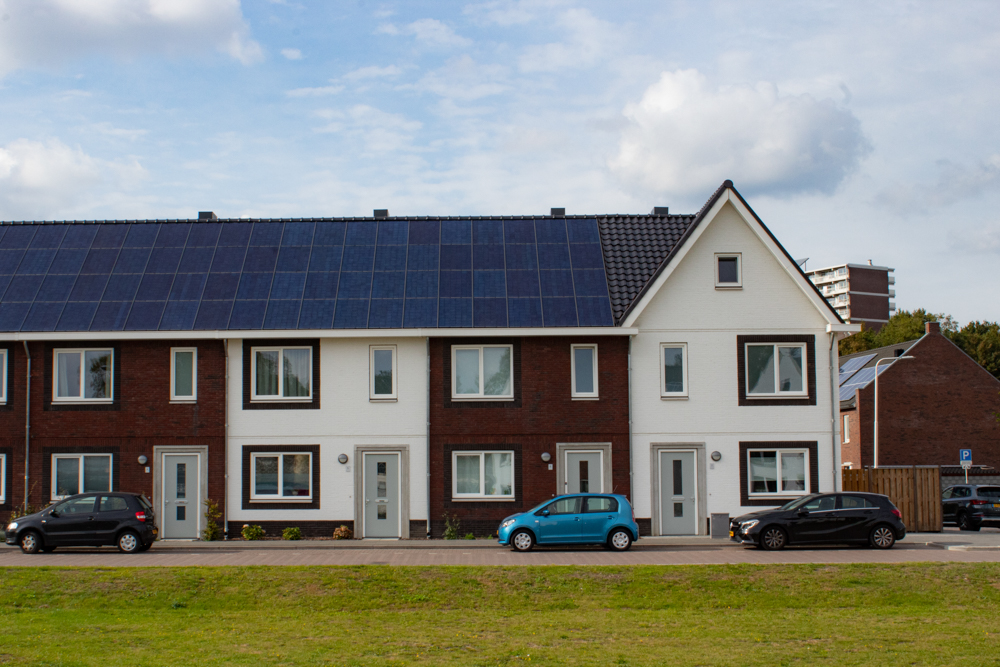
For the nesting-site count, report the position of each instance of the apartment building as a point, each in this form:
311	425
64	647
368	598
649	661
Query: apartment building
860	293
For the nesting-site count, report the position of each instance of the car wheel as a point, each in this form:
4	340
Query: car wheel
773	538
30	542
522	540
129	543
965	523
882	537
620	540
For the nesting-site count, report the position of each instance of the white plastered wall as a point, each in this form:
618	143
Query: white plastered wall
689	309
346	418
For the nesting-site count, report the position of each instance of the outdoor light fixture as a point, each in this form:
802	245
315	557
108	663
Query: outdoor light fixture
342	458
716	456
546	457
142	460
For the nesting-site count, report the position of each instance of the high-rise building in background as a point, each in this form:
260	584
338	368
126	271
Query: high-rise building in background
860	293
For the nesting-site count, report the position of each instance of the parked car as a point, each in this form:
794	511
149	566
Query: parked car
584	518
971	506
88	519
823	518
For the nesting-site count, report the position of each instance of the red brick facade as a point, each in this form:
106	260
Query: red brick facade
541	415
929	408
141	417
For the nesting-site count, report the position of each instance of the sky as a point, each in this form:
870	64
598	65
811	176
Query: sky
857	131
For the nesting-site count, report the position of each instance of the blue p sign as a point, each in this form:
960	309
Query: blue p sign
965	455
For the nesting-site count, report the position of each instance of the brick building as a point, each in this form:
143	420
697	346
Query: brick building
929	406
860	293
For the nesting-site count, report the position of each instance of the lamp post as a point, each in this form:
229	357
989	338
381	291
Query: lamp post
889	359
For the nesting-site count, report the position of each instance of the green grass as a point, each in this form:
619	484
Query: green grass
915	614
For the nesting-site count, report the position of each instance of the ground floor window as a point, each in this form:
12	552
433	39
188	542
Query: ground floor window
282	476
3	479
80	473
482	475
778	472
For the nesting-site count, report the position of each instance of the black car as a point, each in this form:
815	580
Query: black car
971	506
87	519
823	518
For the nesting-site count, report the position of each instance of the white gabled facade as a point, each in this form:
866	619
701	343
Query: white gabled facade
685	307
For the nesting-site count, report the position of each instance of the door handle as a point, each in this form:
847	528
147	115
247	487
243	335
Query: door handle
576	518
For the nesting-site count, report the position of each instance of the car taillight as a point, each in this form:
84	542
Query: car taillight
896	513
978	502
141	516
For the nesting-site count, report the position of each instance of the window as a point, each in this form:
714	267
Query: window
3	479
821	504
183	374
990	492
584	371
482	372
854	503
673	367
80	473
775	370
282	476
83	375
601	505
282	374
778	472
84	505
847	428
3	377
382	361
113	504
482	475
728	271
564	506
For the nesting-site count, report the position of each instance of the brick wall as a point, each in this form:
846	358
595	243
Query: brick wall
868	280
865	306
542	415
850	452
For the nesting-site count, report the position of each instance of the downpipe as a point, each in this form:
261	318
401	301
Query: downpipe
27	422
834	412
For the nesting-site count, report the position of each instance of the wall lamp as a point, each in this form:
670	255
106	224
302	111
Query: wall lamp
546	457
342	458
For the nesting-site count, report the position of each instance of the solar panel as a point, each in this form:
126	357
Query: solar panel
854	364
859	380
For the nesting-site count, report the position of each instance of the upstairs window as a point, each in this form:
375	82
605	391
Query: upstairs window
728	270
3	379
282	374
775	370
584	371
673	370
80	473
3	479
847	428
483	372
183	374
83	375
382	361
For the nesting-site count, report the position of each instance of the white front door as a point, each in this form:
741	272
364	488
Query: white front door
678	493
180	513
584	472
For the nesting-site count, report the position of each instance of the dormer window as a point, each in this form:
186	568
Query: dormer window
728	271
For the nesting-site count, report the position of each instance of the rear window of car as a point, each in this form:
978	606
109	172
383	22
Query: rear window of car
991	492
113	504
855	502
144	502
601	505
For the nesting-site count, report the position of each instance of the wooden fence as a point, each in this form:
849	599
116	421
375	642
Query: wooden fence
915	490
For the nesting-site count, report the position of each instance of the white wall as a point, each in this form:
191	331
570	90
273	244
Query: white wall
689	309
346	418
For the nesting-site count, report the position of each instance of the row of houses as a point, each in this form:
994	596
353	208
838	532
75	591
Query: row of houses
386	372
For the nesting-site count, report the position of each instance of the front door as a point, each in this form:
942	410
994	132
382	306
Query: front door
181	496
584	472
381	491
678	502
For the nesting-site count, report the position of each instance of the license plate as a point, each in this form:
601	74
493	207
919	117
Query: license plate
731	534
997	505
155	532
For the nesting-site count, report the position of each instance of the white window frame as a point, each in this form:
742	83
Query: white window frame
54	486
778	451
663	371
3	479
278	498
847	428
777	393
480	396
372	349
482	476
579	395
193	398
83	375
254	397
3	377
738	256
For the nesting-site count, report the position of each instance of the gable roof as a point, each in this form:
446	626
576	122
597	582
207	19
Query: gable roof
858	370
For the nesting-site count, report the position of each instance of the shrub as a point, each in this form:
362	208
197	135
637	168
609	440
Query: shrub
452	525
212	529
292	533
343	533
470	536
252	532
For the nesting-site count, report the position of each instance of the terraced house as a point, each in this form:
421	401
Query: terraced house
389	372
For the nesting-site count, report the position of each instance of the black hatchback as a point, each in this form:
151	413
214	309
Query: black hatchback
89	519
823	518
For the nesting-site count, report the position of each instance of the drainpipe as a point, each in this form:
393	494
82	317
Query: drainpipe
834	412
27	421
630	480
427	446
225	451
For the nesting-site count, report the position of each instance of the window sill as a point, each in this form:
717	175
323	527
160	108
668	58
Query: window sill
729	287
188	401
673	398
480	399
483	500
283	501
586	398
383	400
281	400
93	401
771	397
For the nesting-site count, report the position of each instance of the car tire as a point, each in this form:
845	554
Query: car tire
129	543
619	540
31	542
773	538
882	537
522	541
965	523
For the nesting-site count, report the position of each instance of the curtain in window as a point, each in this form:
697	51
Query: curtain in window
96	473
673	369
184	373
265	476
466	371
467	473
295	475
382	362
790	368
98	366
584	359
267	373
499	474
296	372
67	476
496	368
760	369
763	472
68	374
793	471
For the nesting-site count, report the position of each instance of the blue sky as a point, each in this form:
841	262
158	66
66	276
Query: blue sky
856	130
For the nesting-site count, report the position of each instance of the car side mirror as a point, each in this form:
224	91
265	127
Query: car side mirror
54	513
544	512
803	512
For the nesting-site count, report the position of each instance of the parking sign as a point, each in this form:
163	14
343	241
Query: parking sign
965	458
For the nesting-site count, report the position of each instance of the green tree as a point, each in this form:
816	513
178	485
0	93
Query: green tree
981	341
901	327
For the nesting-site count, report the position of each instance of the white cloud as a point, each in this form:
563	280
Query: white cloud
109	130
984	239
511	12
684	138
955	183
314	92
373	72
292	54
45	33
39	178
465	79
378	131
428	31
588	40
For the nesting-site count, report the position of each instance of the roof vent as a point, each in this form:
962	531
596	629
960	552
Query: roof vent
660	210
381	213
207	215
558	213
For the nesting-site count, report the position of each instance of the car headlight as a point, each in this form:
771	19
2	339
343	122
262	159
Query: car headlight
12	527
747	525
508	522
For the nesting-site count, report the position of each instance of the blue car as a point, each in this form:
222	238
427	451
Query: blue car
582	518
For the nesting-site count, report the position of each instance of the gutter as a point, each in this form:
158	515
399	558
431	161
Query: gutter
27	422
834	411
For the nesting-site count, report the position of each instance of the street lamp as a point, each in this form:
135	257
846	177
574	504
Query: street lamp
890	359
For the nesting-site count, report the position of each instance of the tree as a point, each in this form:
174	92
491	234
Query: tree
901	327
981	341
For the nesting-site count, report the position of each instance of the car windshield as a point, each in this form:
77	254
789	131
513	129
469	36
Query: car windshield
793	504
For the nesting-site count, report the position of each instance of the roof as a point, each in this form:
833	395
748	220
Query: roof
857	371
849	265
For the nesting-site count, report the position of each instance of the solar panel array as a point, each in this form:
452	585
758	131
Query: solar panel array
852	365
860	379
318	274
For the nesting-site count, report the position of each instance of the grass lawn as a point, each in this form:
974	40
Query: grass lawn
915	614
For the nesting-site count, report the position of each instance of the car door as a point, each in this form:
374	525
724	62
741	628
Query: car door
112	512
813	521
559	521
71	521
947	507
599	513
856	514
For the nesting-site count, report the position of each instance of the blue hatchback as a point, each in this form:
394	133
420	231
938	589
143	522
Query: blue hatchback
582	518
